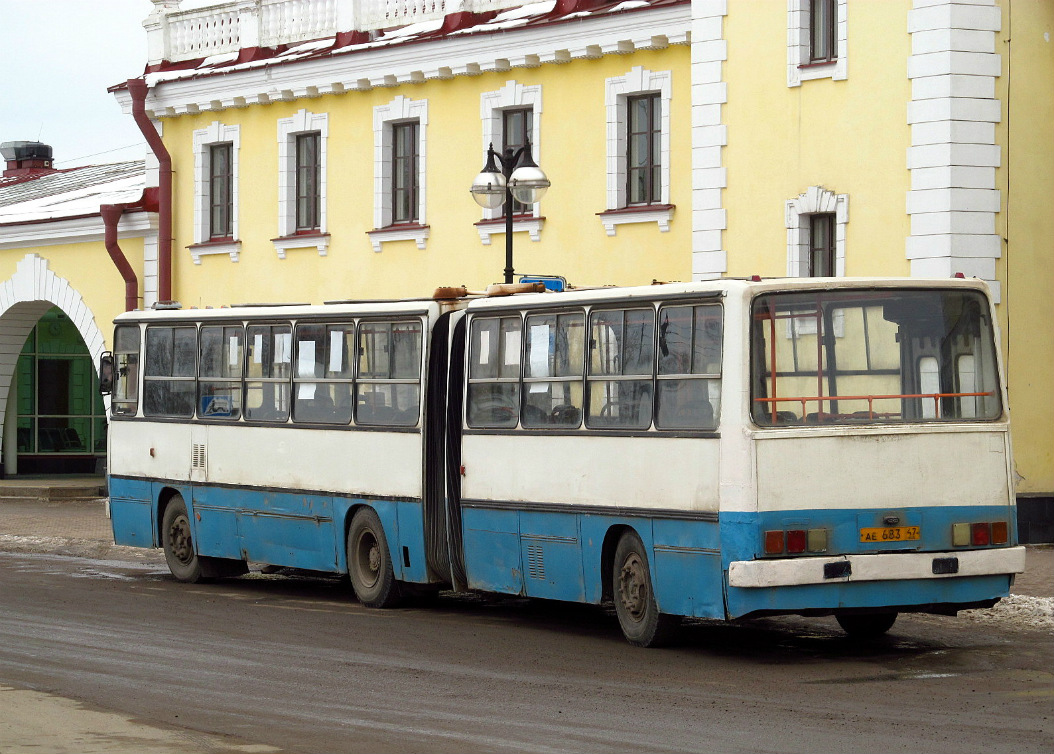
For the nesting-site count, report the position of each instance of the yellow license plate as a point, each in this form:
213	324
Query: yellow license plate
891	534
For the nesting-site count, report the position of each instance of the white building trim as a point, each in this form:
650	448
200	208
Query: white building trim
400	109
203	138
799	68
618	90
953	155
288	129
815	200
180	92
709	136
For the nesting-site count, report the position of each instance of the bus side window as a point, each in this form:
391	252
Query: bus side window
388	390
220	372
324	370
125	395
621	361
171	363
494	372
553	370
689	379
267	368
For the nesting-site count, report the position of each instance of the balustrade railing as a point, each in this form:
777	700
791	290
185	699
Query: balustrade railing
175	34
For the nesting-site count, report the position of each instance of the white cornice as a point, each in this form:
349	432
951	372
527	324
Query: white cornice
75	230
468	54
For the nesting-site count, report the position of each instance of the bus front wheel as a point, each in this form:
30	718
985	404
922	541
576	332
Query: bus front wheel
369	562
866	625
638	614
178	542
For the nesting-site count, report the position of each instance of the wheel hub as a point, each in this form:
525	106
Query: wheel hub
633	587
179	536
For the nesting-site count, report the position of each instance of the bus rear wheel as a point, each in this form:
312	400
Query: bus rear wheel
866	625
369	562
178	542
638	614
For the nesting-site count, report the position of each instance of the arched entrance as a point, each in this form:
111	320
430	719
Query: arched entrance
54	419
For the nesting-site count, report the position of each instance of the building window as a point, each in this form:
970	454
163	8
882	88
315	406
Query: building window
816	40
515	133
404	172
822	245
822	31
221	191
308	181
216	191
816	229
399	170
511	115
643	149
302	141
638	149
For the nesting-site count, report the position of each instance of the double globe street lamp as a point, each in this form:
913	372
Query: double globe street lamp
519	178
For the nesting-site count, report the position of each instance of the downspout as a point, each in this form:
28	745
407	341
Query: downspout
111	216
137	89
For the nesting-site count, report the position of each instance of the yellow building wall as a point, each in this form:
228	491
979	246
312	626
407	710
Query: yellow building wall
572	151
1026	271
782	140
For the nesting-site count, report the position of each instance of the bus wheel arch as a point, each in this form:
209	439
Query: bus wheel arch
370	567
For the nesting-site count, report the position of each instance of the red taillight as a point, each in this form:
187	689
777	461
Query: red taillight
1000	535
980	534
796	540
774	542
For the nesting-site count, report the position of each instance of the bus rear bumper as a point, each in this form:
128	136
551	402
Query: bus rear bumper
760	574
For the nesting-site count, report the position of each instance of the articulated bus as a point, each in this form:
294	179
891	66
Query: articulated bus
721	450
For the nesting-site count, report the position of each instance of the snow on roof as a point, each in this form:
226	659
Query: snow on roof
75	192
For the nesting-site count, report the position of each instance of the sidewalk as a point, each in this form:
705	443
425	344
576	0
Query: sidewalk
82	528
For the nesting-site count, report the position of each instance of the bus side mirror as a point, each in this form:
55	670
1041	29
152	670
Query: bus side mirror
106	373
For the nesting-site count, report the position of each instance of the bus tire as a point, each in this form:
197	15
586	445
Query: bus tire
369	561
866	625
178	542
631	586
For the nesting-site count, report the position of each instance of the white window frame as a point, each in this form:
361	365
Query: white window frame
799	67
399	110
288	129
815	200
204	138
619	89
512	96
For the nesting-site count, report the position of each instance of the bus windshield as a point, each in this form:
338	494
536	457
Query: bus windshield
872	356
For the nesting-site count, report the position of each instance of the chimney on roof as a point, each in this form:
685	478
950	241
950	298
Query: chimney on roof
26	157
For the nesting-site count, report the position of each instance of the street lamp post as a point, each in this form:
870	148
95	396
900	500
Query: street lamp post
519	178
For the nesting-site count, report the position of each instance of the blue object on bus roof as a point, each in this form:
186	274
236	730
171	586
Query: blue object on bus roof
551	282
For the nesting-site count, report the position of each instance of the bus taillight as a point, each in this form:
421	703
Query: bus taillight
980	534
795	541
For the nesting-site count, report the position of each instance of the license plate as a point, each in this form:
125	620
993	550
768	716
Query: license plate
891	534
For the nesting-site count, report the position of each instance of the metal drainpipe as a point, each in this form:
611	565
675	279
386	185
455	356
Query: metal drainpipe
137	89
111	216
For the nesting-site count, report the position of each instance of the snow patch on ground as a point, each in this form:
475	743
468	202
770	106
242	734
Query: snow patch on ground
1018	611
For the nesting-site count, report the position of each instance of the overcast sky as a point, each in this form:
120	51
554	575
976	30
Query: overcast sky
57	58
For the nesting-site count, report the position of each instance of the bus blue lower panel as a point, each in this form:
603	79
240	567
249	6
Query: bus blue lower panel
289	529
556	555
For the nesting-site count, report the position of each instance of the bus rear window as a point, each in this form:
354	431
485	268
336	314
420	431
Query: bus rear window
850	357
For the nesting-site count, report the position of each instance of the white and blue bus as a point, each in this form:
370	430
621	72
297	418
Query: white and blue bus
721	450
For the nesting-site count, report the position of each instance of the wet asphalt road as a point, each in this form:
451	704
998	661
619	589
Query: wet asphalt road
296	663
